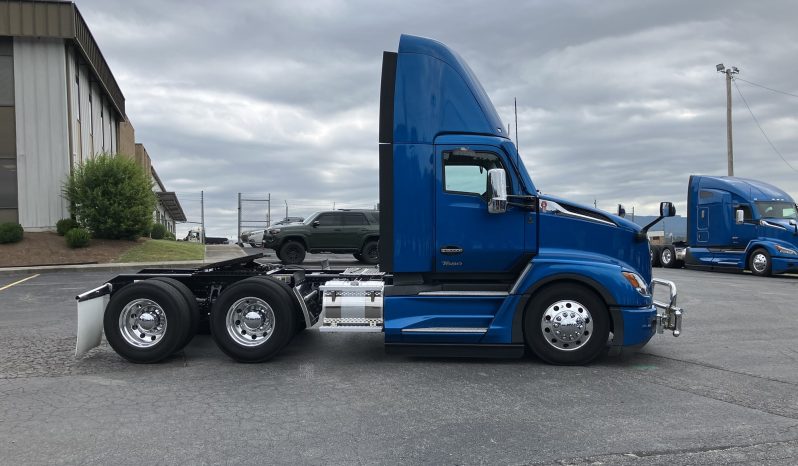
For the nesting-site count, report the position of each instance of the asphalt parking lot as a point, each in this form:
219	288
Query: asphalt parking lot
726	391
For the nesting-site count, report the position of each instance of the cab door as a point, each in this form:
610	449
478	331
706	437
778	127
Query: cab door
468	239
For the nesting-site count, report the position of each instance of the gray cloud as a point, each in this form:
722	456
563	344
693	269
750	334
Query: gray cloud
618	101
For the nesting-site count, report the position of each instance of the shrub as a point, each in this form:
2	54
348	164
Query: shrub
111	196
158	231
169	235
64	225
10	232
77	237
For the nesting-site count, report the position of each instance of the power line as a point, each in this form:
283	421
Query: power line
768	88
760	127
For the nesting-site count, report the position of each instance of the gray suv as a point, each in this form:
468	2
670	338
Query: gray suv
355	232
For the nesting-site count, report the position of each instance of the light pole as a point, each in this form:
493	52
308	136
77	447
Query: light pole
729	72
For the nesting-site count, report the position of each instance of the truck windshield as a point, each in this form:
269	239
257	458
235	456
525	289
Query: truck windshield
776	209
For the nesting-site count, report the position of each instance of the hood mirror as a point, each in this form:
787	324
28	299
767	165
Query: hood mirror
666	209
497	191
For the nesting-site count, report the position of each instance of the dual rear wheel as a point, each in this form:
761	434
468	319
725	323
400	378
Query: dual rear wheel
148	321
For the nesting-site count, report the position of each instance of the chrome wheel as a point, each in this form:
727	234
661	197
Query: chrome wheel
759	262
250	321
666	257
142	323
567	325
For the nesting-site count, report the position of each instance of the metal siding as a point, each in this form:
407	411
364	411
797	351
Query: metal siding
42	135
85	119
97	129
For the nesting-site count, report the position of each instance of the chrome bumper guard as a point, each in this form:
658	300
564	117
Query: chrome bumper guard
669	316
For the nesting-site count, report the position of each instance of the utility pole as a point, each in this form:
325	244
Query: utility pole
238	238
202	216
269	212
729	72
286	209
515	105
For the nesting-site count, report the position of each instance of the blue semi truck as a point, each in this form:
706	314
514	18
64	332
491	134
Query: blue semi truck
736	224
473	262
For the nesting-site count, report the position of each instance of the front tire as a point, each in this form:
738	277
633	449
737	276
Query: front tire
760	263
252	320
566	324
146	321
292	252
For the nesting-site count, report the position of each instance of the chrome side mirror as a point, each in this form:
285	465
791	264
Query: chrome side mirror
666	209
316	223
740	216
497	191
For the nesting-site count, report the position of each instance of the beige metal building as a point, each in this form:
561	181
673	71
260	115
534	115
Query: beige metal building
59	106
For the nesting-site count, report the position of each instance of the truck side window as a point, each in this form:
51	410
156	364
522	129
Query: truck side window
354	218
748	215
329	220
467	172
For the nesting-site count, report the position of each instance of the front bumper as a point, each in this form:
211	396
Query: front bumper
784	264
669	316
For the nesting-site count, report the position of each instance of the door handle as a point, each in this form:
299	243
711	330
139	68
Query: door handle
451	250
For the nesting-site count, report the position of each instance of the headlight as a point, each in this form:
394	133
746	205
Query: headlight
273	231
784	250
637	282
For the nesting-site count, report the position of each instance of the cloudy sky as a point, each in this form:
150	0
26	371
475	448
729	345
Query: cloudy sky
618	101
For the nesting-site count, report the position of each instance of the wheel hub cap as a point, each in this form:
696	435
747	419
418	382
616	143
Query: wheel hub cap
147	320
567	325
760	262
142	323
253	320
250	321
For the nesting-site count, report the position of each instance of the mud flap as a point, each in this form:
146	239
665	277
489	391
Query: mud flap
91	307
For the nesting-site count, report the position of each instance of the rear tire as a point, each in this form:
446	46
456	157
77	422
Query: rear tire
566	324
191	304
655	256
370	254
292	252
667	257
146	321
760	263
252	320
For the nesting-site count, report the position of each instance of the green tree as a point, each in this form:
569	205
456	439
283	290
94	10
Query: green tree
111	196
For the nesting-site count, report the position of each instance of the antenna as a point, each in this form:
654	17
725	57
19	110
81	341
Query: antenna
515	104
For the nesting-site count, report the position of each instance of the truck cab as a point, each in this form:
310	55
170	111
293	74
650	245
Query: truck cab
479	259
738	224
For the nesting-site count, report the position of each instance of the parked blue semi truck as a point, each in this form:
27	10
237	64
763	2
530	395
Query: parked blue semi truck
473	262
736	224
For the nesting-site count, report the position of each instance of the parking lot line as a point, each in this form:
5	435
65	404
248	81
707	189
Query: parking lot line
18	282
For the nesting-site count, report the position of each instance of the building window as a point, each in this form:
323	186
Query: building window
8	183
6	81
